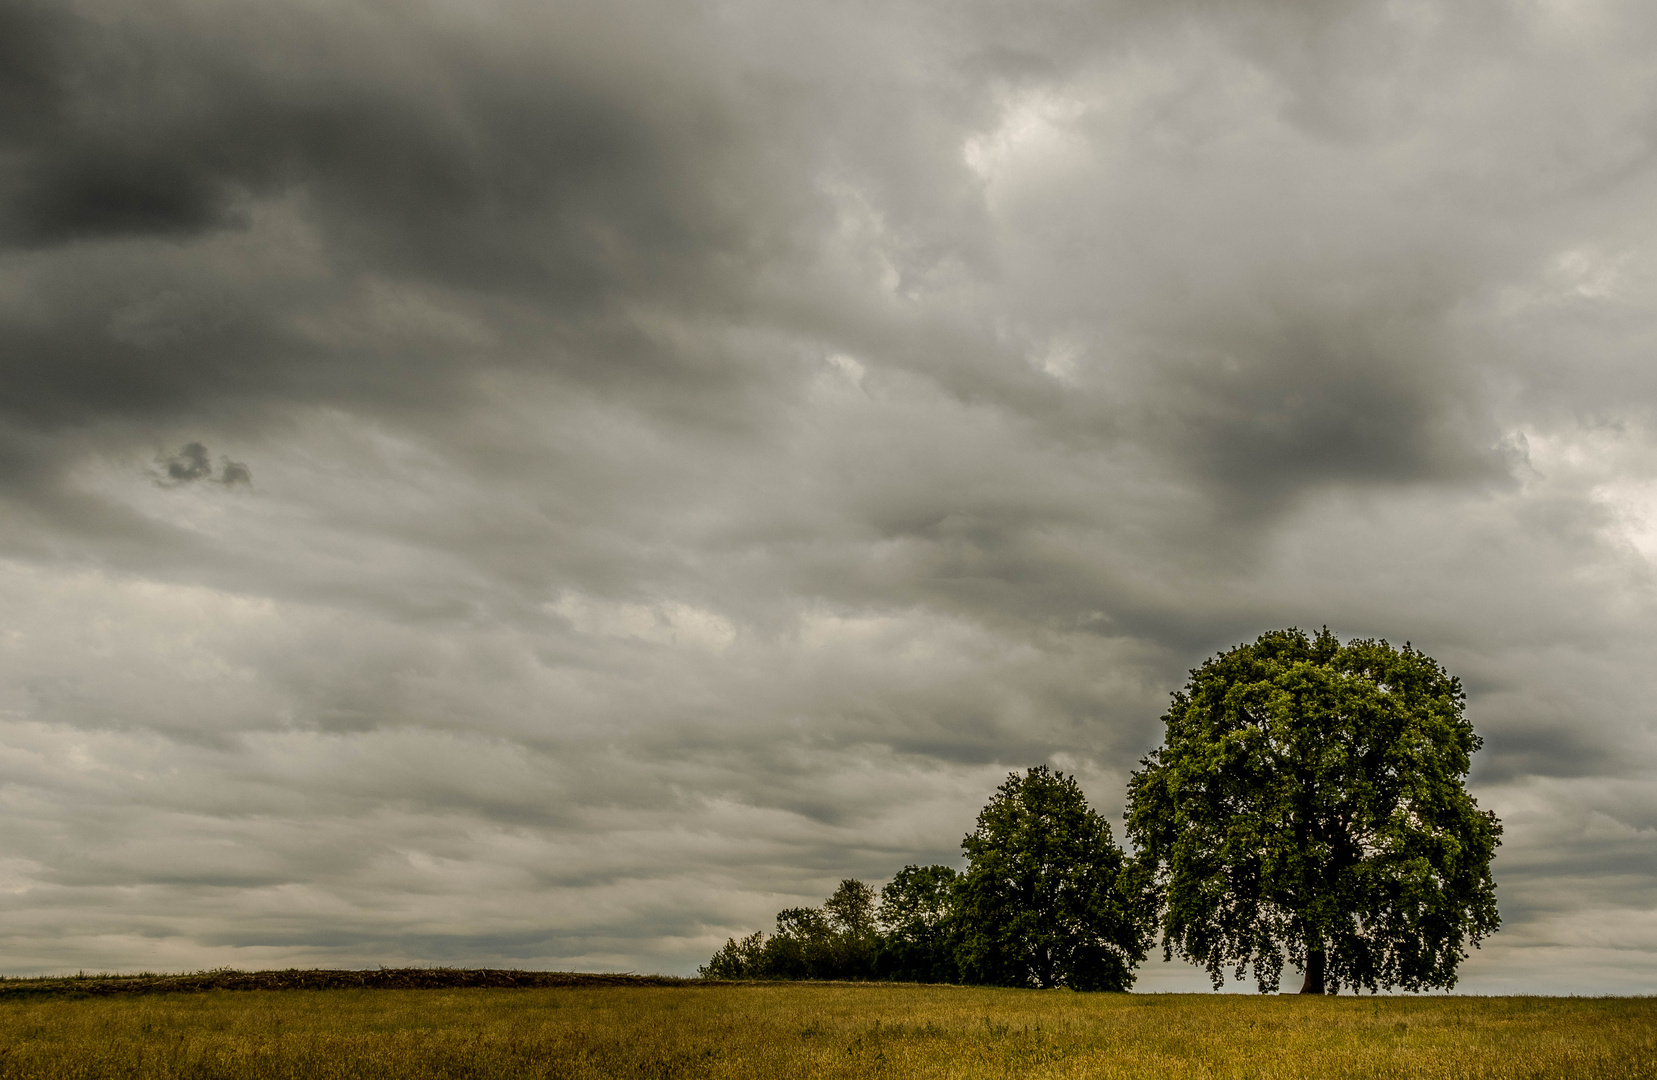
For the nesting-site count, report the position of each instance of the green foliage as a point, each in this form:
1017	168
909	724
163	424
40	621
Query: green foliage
836	941
851	910
802	947
736	959
1308	805
918	931
1048	898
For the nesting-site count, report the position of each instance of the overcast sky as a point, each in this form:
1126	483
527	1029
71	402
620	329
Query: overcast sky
550	484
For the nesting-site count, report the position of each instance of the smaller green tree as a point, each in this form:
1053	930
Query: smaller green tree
736	959
1048	899
916	919
851	909
854	938
802	947
836	941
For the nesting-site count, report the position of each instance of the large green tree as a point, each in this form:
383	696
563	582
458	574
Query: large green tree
1048	899
1308	805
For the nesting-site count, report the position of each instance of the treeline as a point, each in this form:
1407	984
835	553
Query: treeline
1047	899
903	933
1308	807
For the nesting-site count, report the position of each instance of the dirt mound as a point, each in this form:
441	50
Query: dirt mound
319	979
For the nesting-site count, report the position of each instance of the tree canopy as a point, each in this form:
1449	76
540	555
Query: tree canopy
907	937
918	926
1048	899
1308	805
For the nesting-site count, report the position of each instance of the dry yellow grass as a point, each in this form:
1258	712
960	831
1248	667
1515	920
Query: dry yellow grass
806	1030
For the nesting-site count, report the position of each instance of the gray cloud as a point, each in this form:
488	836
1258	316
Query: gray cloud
192	463
701	449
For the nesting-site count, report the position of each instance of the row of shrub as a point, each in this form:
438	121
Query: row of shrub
903	933
1047	899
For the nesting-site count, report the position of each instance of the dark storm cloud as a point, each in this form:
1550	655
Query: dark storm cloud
556	187
432	153
192	463
544	187
1330	398
437	152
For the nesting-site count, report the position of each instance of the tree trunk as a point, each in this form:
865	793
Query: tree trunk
1314	969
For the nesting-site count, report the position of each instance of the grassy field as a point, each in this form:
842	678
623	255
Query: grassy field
821	1030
